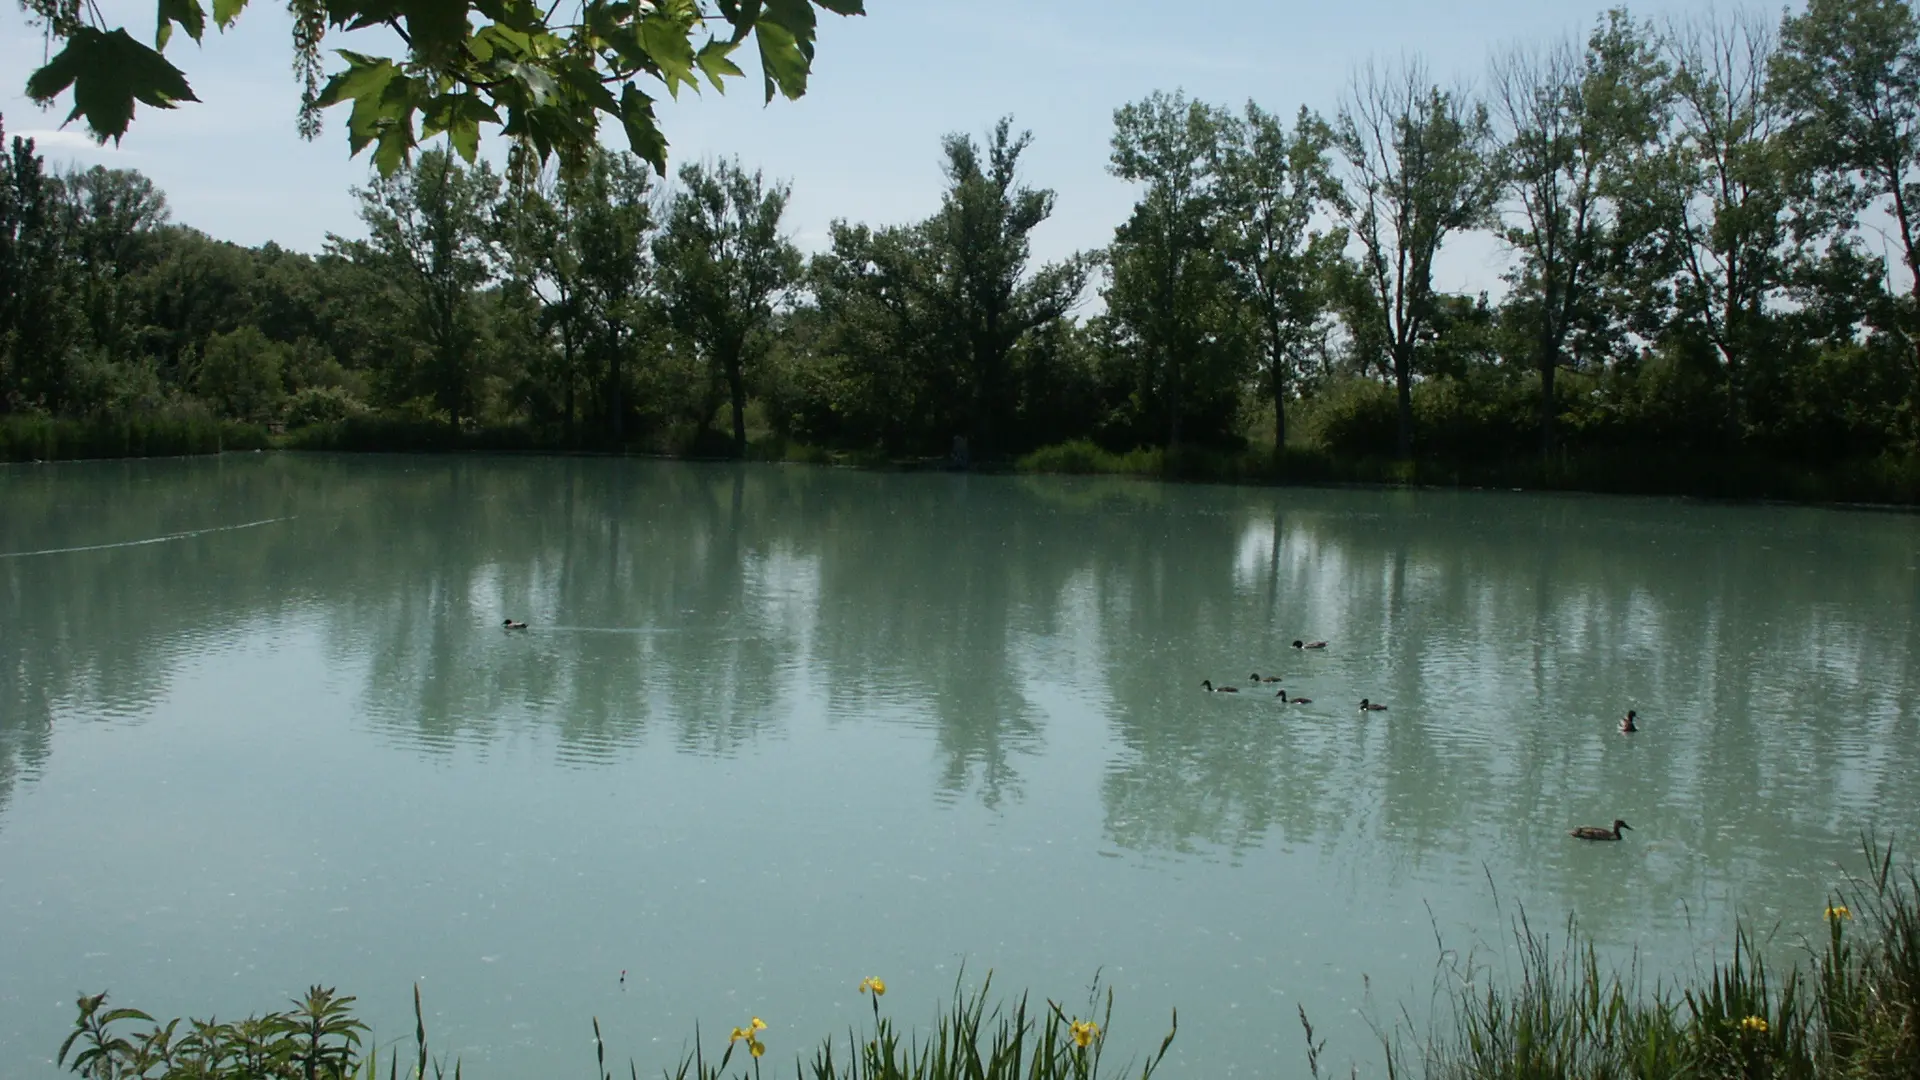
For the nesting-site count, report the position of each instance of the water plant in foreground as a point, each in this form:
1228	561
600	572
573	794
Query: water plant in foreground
319	1039
1851	1013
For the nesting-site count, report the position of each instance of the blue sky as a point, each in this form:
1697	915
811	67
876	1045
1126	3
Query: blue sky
864	143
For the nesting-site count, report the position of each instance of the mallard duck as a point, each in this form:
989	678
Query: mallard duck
1207	685
1595	832
1285	700
1257	677
1309	644
1627	726
511	624
1368	706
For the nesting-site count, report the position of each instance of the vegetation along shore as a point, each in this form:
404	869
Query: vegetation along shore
1709	257
1852	1010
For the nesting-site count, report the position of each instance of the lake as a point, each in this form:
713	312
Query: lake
774	729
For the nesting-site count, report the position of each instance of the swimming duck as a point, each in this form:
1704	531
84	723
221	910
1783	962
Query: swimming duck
510	624
1309	644
1595	832
1257	677
1368	706
1285	700
1627	726
1207	685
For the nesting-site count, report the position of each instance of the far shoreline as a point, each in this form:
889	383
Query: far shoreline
1882	486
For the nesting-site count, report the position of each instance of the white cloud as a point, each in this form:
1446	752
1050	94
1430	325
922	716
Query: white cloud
68	142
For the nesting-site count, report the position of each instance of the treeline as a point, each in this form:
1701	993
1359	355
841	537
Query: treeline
1711	230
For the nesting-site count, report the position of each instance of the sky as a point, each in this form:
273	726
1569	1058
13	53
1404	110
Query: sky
863	144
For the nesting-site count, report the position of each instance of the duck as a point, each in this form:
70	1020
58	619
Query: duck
1285	700
1257	677
1627	726
1207	685
1368	706
512	624
1309	644
1596	832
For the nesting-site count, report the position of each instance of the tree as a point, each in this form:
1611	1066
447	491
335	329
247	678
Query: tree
112	219
33	331
431	245
723	266
240	374
1418	169
1166	273
1573	125
1272	186
1847	74
1716	196
467	64
608	230
982	289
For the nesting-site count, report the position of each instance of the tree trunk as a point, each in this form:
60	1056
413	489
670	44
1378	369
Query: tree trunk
1549	364
1172	370
1403	383
737	390
566	350
1279	362
614	396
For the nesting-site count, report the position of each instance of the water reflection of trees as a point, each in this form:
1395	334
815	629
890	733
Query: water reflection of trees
699	603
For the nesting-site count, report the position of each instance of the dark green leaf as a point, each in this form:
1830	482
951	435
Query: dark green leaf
188	13
435	27
365	75
643	133
225	11
844	7
108	73
781	60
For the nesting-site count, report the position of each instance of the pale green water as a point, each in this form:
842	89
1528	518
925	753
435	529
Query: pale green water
776	729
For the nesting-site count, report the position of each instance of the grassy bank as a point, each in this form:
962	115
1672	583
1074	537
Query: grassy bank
41	438
1850	1011
1890	479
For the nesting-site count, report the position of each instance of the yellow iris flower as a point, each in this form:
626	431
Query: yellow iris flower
1755	1023
1839	911
876	986
1084	1032
758	1024
756	1047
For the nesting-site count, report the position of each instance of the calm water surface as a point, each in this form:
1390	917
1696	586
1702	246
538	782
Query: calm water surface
775	729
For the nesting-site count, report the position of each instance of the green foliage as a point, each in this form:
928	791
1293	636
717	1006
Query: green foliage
725	268
1418	170
312	405
1849	1014
1170	295
1695	305
319	1039
544	82
240	374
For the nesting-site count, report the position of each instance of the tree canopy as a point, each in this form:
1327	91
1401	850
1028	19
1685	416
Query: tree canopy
544	75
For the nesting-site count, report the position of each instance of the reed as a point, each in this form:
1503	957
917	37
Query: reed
1848	1013
319	1039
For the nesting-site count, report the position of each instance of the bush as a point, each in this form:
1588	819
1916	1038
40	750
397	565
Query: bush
322	405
